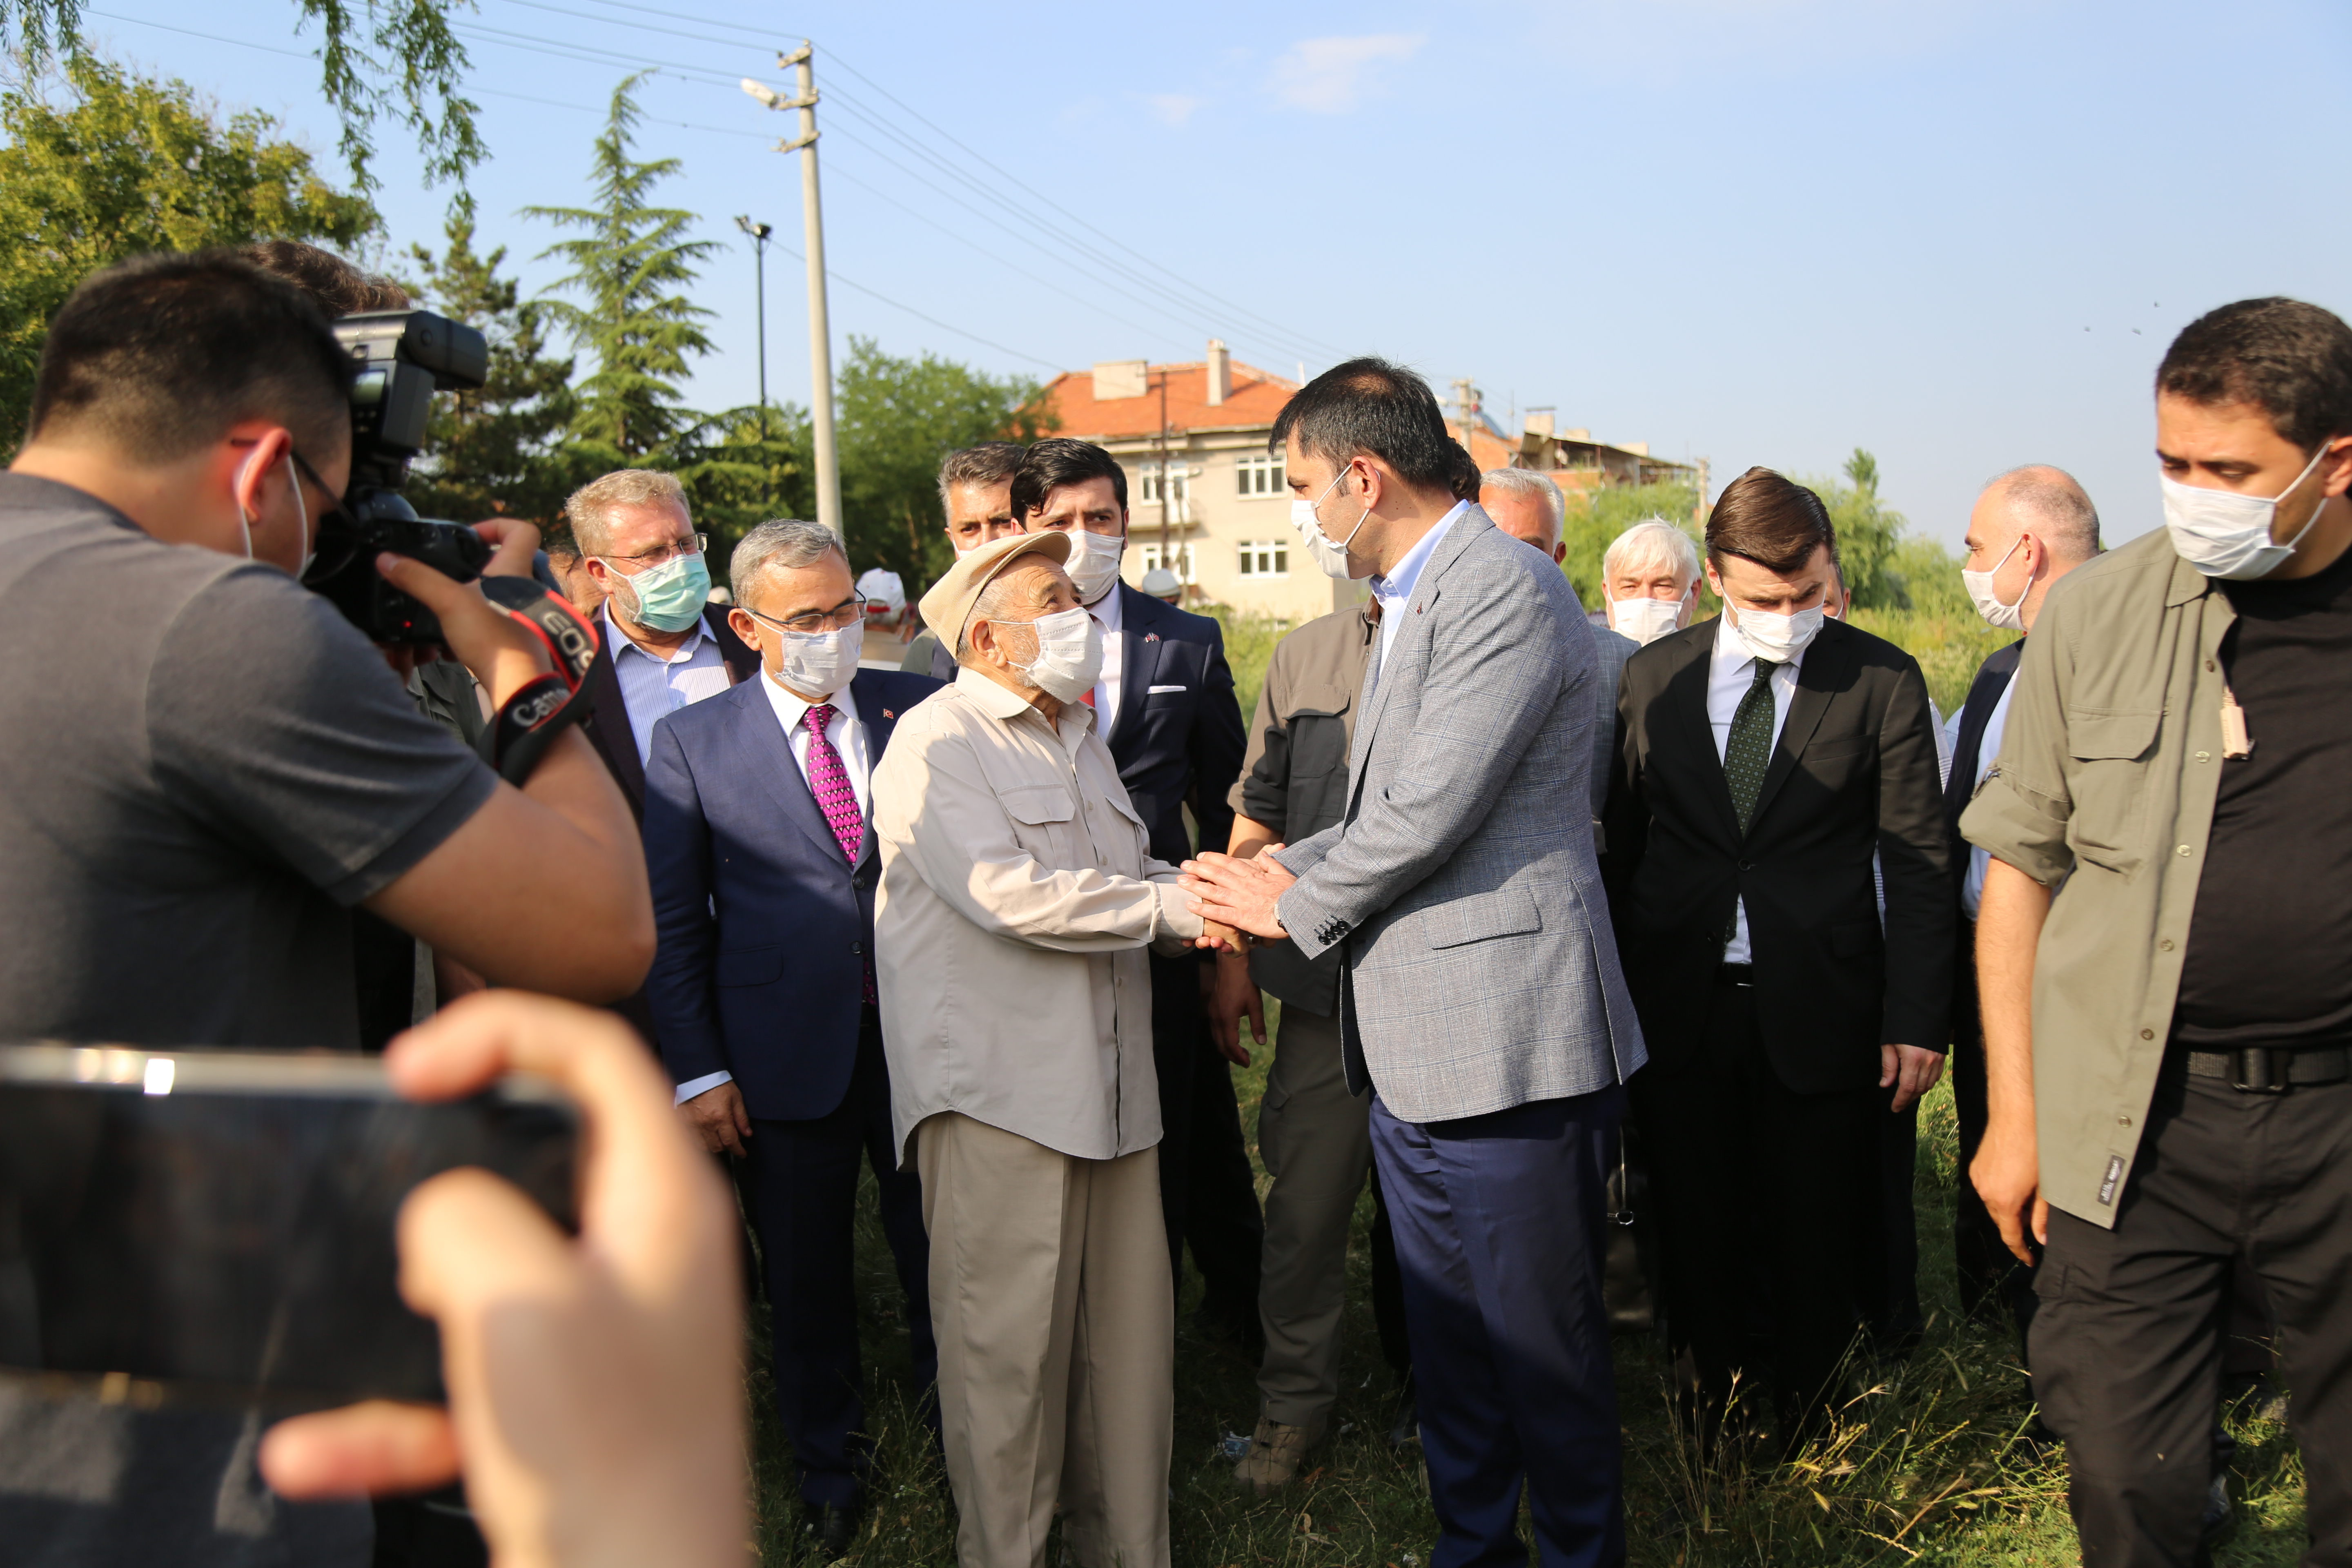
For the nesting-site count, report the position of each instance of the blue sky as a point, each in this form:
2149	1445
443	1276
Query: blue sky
1763	231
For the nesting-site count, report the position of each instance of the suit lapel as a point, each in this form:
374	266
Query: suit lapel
608	724
1686	702
1413	613
879	720
1976	713
1139	660
769	756
1823	672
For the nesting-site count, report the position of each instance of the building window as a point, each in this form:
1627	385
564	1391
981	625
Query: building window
1260	473
1265	558
1178	560
1148	482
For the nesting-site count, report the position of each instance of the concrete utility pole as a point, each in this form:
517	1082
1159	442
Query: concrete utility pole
828	468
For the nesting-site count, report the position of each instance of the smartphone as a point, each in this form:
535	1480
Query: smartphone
217	1227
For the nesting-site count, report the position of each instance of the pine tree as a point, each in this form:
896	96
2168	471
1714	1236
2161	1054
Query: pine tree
495	450
630	269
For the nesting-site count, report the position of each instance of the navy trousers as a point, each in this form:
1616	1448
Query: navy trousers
800	1185
1498	1237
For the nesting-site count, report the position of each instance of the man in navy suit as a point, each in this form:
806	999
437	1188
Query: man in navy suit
1165	706
762	989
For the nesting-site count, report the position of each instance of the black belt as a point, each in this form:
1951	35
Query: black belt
1740	975
2272	1069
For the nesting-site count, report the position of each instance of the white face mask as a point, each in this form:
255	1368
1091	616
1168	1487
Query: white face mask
1645	619
1093	564
1998	615
1777	639
818	663
2227	535
1332	558
1069	655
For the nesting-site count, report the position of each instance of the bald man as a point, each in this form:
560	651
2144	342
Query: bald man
2030	527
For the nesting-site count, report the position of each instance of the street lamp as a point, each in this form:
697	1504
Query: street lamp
759	233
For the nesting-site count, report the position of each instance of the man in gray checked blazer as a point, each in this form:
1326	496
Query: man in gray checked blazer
1480	994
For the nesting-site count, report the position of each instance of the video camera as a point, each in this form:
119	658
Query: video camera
404	357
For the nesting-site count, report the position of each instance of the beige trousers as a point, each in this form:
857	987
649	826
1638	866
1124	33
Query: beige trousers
1317	1141
1056	1327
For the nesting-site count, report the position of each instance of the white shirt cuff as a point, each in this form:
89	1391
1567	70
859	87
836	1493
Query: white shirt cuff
702	1085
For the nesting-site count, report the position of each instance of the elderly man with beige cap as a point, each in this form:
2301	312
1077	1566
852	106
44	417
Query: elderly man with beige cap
1017	899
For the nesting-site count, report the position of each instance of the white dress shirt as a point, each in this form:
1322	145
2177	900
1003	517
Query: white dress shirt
1988	753
848	738
1731	669
1395	588
1110	611
653	687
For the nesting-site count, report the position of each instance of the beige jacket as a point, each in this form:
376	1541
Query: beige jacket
2110	764
1017	900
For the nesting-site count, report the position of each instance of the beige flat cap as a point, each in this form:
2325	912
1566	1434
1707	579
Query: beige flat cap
948	604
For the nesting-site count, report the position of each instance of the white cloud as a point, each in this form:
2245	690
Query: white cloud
1171	107
1329	75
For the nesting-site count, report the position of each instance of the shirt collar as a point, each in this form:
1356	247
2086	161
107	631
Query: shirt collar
791	708
996	701
1398	583
1110	609
620	641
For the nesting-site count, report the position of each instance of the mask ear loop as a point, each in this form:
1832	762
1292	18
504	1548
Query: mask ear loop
244	520
302	508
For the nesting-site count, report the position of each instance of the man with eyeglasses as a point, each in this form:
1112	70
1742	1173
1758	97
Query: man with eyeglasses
763	990
666	645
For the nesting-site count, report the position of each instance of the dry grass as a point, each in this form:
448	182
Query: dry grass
1923	1466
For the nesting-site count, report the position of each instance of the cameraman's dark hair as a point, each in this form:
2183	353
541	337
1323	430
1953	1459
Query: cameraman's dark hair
160	354
1771	520
1371	407
1058	460
990	463
2291	360
333	284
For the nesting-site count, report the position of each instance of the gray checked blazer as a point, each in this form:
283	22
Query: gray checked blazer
1481	968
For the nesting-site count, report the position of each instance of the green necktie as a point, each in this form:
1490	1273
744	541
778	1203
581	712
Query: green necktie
1749	750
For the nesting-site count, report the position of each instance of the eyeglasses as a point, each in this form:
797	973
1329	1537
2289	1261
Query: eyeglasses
692	544
302	466
842	617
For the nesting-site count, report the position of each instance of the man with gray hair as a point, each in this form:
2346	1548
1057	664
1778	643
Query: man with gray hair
1019	895
1649	580
763	988
2030	526
665	645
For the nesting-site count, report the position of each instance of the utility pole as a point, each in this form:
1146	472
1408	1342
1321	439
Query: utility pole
1167	478
759	233
828	469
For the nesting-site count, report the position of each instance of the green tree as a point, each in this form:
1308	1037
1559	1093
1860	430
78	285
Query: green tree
497	449
739	469
1870	535
632	268
405	62
119	164
898	417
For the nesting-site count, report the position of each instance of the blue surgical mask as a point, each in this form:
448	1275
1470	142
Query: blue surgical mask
670	596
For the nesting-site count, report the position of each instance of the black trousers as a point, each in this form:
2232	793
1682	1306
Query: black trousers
1752	1180
1887	1288
800	1184
1993	1283
1208	1195
2128	1345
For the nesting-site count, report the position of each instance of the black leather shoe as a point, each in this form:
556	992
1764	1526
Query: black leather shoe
830	1530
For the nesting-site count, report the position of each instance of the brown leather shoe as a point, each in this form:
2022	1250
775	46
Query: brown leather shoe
1275	1454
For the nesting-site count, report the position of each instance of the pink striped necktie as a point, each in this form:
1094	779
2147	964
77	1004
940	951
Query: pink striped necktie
829	782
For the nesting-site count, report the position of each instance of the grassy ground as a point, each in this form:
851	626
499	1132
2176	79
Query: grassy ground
1924	1468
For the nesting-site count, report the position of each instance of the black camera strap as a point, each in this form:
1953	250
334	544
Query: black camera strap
528	723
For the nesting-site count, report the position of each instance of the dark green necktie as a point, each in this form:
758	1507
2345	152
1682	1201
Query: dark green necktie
1748	751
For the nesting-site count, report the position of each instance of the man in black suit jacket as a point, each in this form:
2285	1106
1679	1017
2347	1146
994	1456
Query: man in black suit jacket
1165	706
629	525
2030	526
1763	758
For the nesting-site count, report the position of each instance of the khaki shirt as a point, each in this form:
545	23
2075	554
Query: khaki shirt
1017	899
2105	790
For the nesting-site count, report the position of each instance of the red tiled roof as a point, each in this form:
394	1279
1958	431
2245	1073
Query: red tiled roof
1256	397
